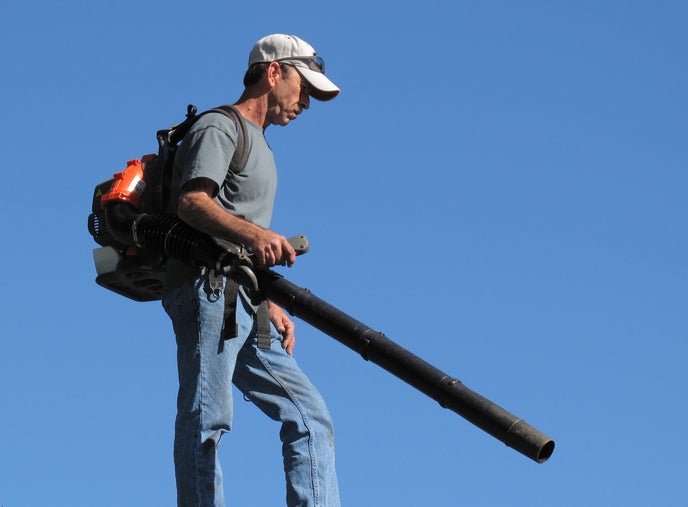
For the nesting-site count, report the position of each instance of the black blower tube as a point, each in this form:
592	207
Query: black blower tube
376	347
168	235
164	234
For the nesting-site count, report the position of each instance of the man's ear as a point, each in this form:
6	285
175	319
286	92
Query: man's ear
273	73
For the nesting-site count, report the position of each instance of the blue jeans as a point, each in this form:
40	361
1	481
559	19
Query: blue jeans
270	378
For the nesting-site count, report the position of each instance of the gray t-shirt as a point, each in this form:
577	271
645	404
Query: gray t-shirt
206	152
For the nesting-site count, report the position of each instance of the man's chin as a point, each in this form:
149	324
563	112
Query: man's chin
285	119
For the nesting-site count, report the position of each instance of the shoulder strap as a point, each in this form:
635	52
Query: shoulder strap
238	162
174	134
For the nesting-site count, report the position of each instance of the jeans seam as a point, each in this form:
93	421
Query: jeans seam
306	422
201	400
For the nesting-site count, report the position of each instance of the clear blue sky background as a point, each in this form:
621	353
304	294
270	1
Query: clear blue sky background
500	188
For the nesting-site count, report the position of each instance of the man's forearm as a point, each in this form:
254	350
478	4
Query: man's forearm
199	211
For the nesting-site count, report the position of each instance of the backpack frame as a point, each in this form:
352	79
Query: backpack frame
134	272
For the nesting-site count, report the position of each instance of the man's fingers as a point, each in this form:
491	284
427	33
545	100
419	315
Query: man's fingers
288	344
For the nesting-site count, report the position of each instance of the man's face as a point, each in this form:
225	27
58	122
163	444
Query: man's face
290	97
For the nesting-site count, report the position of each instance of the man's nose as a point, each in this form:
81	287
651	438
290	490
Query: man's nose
305	100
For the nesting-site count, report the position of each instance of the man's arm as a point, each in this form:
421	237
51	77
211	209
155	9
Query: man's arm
198	209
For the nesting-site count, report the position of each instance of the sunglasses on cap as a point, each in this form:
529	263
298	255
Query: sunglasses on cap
314	63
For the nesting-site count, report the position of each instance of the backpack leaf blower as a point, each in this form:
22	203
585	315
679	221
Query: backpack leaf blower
165	235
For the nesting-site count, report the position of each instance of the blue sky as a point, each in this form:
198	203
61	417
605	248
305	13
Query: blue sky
500	188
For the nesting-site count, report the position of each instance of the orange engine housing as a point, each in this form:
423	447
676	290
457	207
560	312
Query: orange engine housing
128	185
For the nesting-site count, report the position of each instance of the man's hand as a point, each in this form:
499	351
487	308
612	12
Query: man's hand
197	208
272	249
284	326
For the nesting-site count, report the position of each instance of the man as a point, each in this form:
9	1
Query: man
284	73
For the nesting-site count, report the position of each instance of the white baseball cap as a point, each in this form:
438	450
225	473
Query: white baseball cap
297	52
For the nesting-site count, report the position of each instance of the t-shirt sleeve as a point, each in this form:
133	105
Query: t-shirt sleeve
206	153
